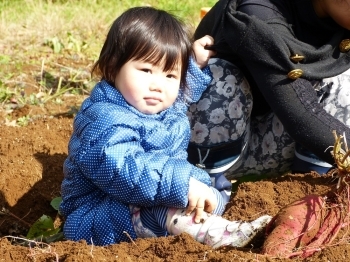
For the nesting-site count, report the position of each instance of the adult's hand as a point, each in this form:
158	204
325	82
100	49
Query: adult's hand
201	54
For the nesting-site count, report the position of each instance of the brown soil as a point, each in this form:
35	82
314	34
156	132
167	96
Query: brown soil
31	160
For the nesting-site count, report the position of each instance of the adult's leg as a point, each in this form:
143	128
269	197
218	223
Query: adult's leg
334	96
224	137
219	122
270	149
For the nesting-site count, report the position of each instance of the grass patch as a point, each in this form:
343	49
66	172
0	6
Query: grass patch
47	47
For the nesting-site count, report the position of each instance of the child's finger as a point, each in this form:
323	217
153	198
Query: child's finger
210	203
199	214
210	206
199	210
191	206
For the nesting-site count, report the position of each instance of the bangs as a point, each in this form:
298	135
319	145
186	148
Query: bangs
169	55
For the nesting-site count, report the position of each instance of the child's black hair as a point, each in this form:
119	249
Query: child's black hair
147	34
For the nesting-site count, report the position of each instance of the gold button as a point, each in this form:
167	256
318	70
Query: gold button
297	58
344	46
294	74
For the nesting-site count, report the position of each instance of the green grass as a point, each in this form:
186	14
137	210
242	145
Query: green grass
38	20
49	46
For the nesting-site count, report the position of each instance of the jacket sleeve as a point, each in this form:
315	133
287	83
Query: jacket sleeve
197	80
265	49
114	160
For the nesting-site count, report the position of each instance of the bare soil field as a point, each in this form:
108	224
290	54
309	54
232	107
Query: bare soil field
31	160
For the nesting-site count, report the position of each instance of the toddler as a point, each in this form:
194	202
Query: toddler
127	172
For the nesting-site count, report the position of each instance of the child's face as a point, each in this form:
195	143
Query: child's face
338	10
147	87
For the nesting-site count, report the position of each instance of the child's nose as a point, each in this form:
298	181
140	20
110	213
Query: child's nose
157	84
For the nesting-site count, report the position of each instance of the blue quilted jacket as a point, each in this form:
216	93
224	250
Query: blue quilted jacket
119	156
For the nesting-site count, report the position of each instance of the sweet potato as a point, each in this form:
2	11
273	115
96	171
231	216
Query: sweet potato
329	229
294	226
313	222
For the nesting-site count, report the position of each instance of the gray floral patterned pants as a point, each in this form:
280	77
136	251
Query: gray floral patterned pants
222	116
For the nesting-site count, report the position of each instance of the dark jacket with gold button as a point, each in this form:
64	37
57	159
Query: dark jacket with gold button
281	46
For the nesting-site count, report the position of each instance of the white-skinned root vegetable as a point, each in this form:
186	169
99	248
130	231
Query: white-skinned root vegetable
314	221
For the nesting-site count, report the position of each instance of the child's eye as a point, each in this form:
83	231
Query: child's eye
146	70
172	76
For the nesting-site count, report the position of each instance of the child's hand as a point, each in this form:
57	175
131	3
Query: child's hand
202	55
200	198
